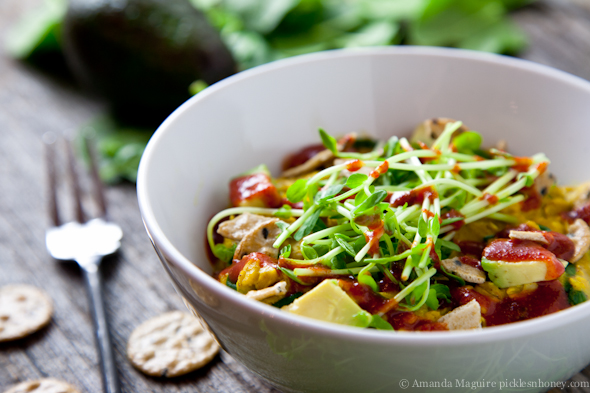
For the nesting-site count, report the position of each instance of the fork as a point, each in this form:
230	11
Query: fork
85	241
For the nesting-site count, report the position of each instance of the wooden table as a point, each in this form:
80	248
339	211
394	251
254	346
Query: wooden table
32	103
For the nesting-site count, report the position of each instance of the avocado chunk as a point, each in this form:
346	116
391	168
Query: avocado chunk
328	302
142	55
509	274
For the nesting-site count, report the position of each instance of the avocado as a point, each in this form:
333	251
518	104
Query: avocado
509	274
142	55
328	302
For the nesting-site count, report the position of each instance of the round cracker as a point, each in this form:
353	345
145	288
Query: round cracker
24	309
170	345
46	385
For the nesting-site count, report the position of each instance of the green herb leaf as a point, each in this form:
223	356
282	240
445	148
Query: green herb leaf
422	227
389	148
341	240
307	226
328	192
283	212
355	180
282	225
374	199
365	277
359	244
308	252
329	141
570	270
530	180
379	323
338	262
231	285
467	142
286	251
289	273
449	245
224	253
434	225
432	300
287	300
576	297
296	192
442	291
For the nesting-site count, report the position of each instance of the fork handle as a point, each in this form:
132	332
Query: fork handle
101	329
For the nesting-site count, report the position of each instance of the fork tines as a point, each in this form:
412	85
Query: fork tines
51	140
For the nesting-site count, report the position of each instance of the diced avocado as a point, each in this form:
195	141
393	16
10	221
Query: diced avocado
328	302
509	274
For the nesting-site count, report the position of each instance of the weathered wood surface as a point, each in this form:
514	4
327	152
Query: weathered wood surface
32	103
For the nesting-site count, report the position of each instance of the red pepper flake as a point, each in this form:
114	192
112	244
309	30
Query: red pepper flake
542	167
346	141
373	235
456	169
381	169
491	198
354	165
428	213
522	163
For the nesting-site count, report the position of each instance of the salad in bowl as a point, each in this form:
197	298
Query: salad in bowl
429	233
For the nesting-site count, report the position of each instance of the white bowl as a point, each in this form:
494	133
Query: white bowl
262	114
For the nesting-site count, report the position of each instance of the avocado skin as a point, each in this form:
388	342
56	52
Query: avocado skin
142	55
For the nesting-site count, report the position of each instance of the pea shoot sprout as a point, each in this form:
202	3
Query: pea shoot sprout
397	211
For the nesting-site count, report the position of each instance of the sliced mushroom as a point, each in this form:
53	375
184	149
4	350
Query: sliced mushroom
237	228
580	196
314	162
260	239
468	316
537	237
429	130
321	158
280	288
544	182
502	145
579	232
466	272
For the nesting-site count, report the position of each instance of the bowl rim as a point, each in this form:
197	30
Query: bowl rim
514	330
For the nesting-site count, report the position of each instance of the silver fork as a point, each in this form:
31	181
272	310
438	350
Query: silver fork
86	242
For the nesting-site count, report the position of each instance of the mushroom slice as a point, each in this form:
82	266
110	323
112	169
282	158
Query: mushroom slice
466	272
579	196
536	237
319	159
579	232
260	239
544	182
280	288
429	130
239	227
468	316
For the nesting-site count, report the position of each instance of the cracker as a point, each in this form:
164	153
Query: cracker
170	345
24	309
45	385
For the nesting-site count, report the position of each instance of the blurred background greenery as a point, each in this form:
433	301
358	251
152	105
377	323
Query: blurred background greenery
146	57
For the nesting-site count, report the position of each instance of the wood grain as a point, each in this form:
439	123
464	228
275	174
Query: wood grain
32	103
